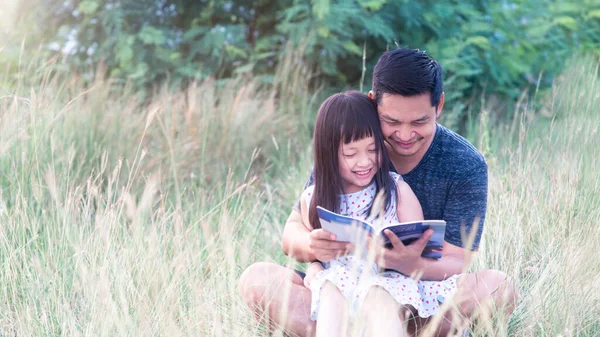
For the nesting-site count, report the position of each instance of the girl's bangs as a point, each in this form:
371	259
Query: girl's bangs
359	124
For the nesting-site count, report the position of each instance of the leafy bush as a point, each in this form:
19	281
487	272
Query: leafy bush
500	47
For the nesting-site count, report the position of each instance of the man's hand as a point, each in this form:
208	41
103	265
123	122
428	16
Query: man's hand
405	259
324	246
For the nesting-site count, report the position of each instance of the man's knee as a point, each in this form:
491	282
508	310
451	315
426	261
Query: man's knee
261	277
500	287
490	287
249	283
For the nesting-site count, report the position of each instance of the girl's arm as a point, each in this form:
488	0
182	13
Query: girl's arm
407	259
408	206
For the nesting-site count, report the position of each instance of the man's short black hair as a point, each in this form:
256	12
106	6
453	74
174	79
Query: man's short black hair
407	72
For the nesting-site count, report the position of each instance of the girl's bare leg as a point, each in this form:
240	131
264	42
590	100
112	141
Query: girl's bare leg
332	319
382	314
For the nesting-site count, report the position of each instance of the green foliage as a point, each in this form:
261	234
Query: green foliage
500	47
334	34
497	47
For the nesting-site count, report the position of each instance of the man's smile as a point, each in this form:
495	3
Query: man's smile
405	145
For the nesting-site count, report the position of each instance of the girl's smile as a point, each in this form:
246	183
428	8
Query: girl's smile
363	174
358	164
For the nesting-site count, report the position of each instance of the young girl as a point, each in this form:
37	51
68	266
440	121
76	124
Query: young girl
351	168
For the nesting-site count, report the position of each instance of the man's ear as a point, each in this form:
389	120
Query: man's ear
440	106
371	96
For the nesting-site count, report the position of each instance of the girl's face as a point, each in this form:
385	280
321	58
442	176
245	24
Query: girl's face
358	164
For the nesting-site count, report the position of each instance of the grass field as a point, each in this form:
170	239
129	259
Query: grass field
132	218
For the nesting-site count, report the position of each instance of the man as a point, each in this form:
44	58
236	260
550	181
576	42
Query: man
448	176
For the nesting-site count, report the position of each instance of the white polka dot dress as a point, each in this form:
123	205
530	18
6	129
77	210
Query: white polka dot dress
354	276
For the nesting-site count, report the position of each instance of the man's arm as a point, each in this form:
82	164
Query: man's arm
464	214
408	260
296	233
296	239
465	208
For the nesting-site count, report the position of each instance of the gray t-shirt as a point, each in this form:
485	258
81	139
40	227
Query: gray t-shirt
451	183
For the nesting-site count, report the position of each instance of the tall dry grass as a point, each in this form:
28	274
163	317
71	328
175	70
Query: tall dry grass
544	203
126	217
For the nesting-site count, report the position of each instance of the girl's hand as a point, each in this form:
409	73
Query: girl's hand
311	272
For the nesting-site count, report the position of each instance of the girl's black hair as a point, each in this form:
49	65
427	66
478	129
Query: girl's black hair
345	117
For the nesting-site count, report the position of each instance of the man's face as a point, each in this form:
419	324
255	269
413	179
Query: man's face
408	123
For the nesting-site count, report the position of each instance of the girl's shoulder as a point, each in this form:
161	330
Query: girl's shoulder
396	176
401	185
307	194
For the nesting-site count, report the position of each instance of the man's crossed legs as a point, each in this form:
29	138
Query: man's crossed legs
279	293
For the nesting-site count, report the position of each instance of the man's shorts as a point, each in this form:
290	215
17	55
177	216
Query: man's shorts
303	274
300	273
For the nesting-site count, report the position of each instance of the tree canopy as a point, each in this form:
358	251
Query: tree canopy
497	46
